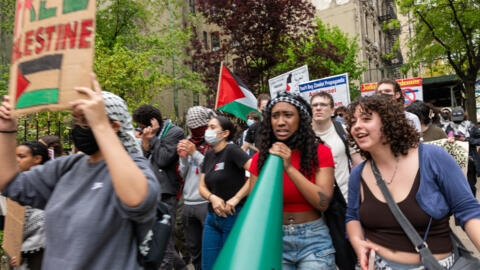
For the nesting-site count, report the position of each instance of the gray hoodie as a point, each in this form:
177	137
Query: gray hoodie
190	171
86	224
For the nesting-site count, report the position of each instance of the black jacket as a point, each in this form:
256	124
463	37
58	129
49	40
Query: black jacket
164	158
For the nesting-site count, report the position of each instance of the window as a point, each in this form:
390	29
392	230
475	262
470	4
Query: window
215	41
366	25
237	62
205	40
191	4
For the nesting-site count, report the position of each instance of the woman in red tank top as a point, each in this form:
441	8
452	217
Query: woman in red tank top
286	131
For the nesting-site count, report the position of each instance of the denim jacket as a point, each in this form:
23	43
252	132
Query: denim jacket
443	188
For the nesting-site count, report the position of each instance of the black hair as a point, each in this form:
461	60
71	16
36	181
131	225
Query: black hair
145	113
421	110
53	141
226	124
324	95
37	149
303	139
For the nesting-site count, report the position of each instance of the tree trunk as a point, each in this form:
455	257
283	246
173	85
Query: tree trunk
470	101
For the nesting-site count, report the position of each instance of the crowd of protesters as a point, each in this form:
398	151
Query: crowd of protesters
84	209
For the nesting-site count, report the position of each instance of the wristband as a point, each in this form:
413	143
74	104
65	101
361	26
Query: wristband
8	131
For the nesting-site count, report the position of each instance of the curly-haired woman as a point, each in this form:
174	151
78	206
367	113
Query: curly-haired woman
424	180
286	131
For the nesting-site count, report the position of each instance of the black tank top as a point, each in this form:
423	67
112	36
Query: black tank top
381	227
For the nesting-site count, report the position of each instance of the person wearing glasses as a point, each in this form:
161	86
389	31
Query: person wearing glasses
93	201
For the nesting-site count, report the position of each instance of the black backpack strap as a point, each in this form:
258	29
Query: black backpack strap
343	136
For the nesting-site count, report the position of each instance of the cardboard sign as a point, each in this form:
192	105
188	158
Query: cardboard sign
337	86
412	89
288	81
13	233
53	50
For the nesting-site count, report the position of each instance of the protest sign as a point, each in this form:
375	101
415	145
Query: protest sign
288	81
412	89
337	86
53	47
13	233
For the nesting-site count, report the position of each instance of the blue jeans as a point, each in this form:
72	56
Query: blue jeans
308	246
215	233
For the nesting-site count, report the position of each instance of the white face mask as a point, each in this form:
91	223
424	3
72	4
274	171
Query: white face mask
211	137
250	122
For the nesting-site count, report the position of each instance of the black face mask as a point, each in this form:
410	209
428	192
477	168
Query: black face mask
84	140
445	116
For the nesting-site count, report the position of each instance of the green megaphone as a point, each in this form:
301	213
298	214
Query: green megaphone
255	241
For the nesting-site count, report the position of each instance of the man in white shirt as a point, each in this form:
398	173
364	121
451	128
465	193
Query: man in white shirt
392	88
333	135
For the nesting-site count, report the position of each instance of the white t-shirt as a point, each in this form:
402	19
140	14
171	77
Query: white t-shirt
414	121
332	140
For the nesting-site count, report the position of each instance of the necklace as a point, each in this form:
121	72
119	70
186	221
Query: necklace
394	172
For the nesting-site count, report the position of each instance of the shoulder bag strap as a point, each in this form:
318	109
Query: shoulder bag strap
420	246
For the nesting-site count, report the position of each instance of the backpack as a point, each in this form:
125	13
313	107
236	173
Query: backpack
152	240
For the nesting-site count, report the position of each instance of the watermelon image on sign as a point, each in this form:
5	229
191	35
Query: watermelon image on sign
44	73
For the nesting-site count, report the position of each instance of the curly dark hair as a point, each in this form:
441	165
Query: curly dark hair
145	113
303	139
37	149
399	133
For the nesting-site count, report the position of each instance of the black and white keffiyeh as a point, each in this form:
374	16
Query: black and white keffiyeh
198	116
117	111
296	100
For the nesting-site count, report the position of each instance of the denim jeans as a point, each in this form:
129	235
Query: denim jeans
215	233
385	264
193	222
308	246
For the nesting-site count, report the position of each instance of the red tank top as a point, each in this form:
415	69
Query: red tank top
293	201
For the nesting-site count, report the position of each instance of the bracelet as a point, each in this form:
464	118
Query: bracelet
8	131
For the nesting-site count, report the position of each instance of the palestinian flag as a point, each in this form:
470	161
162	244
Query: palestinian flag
38	81
233	95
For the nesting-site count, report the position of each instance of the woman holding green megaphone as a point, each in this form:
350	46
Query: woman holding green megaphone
286	131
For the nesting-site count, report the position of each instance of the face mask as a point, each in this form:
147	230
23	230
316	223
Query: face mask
250	122
84	140
211	137
445	116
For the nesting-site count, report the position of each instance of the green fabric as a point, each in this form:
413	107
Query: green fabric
238	109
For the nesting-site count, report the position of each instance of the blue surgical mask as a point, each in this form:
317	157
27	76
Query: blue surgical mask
211	137
250	122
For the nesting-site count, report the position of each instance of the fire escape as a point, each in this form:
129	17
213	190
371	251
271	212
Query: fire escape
392	64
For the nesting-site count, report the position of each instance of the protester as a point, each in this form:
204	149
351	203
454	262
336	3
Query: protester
392	89
223	184
191	154
54	144
339	114
334	136
252	119
426	114
286	131
463	130
159	144
424	180
92	201
446	118
31	154
252	134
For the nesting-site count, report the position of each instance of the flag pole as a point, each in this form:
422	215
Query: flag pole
218	87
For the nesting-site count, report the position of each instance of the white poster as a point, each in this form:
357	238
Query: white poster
288	81
337	86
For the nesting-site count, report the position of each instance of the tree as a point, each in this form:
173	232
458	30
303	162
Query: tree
7	19
135	50
448	29
253	33
327	51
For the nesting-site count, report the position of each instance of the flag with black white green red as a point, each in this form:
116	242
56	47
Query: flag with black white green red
233	95
38	81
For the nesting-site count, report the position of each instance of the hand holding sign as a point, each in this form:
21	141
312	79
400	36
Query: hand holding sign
93	107
7	120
